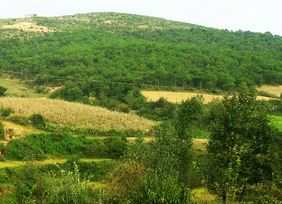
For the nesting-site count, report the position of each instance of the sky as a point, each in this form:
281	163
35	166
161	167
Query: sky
253	15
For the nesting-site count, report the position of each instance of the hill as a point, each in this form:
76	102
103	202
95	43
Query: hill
141	50
110	57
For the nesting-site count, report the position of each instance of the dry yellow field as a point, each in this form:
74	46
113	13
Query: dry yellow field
63	112
28	26
273	90
178	97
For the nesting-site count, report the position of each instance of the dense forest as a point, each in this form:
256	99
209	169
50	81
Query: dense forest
144	51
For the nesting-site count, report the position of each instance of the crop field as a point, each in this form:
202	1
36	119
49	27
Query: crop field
273	90
178	97
68	113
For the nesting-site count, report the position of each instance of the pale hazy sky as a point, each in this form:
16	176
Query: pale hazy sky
253	15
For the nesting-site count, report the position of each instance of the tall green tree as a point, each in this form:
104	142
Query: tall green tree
241	137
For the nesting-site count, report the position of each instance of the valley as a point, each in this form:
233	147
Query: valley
123	108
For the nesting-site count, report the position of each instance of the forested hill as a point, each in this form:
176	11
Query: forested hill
140	50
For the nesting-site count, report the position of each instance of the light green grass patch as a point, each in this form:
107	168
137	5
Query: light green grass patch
202	195
96	185
10	164
94	160
15	88
277	120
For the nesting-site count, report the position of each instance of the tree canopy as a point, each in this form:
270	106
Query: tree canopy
162	53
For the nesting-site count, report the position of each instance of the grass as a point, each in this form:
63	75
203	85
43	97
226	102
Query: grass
16	89
277	120
201	195
75	114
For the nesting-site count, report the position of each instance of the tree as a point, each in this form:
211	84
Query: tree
2	90
241	137
188	111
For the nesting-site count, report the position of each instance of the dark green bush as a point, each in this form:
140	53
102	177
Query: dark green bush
23	151
2	90
37	121
6	112
34	146
19	119
2	132
116	147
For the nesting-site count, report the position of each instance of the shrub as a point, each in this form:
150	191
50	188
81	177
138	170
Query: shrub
6	112
33	185
2	132
116	147
37	121
2	90
23	151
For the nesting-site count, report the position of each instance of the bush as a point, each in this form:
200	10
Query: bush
33	185
38	121
116	147
19	119
22	151
2	132
6	112
2	90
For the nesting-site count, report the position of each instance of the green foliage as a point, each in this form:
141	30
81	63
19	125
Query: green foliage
158	110
168	154
2	132
93	132
33	185
131	182
110	55
23	151
6	112
69	92
162	190
188	111
241	137
37	121
68	188
2	90
116	146
36	146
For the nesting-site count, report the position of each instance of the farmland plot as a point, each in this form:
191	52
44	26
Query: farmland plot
68	113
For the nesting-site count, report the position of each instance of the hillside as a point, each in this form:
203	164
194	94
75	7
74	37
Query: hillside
105	59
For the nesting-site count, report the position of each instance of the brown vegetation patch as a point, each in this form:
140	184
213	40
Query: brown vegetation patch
28	26
200	143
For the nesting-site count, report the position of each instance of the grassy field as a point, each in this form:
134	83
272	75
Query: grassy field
16	89
277	120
